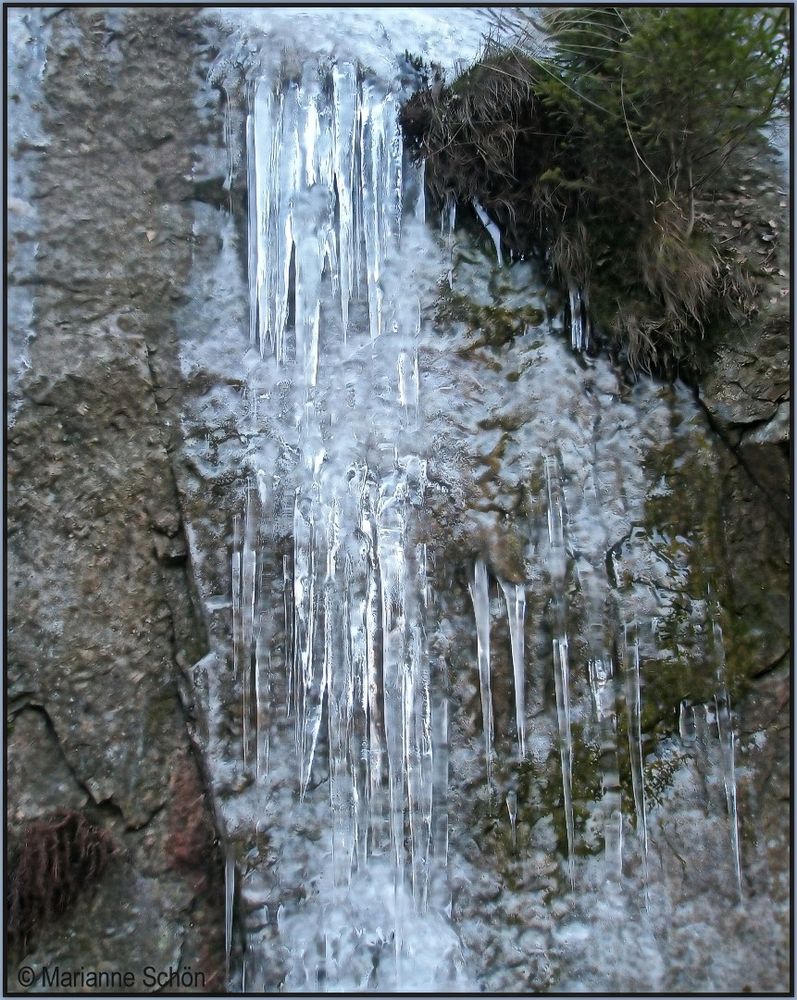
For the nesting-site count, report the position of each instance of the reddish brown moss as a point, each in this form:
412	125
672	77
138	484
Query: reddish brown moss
192	851
190	846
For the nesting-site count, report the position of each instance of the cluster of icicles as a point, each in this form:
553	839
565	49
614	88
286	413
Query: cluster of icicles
608	680
325	176
326	179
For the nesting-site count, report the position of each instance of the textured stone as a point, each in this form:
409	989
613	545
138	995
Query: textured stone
101	616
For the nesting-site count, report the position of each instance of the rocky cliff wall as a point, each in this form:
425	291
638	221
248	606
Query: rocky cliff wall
102	620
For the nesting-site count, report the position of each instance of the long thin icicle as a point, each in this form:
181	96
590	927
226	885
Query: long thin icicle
491	227
633	707
515	597
561	665
479	592
229	902
562	683
602	685
579	318
727	740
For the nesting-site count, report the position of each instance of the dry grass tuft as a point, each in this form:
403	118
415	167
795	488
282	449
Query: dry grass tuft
563	176
675	271
58	857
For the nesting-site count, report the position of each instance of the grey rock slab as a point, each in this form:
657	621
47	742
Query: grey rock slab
102	623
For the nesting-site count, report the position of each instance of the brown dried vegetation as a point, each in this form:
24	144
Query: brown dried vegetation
58	857
608	154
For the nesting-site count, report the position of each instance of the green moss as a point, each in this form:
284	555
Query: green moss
686	520
493	325
658	776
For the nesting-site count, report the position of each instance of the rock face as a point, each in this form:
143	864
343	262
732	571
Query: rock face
101	619
706	518
747	397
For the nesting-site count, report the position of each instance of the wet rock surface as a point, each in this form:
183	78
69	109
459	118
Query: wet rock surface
704	526
747	390
101	617
748	382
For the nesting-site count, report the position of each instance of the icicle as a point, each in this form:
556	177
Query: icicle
562	684
515	597
601	679
479	592
555	503
579	320
237	624
252	227
287	607
357	652
686	723
308	676
229	902
722	703
440	892
372	157
336	722
727	750
247	610
401	366
393	620
279	232
511	805
372	681
416	375
261	699
633	707
491	227
345	112
448	223
420	202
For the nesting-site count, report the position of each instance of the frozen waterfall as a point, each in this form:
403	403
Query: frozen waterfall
424	674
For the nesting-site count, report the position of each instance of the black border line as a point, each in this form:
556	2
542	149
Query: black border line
445	4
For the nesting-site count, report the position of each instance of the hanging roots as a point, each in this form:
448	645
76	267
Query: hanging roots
58	856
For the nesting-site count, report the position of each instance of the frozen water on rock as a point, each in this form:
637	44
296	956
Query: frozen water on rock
372	37
357	755
420	787
28	32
